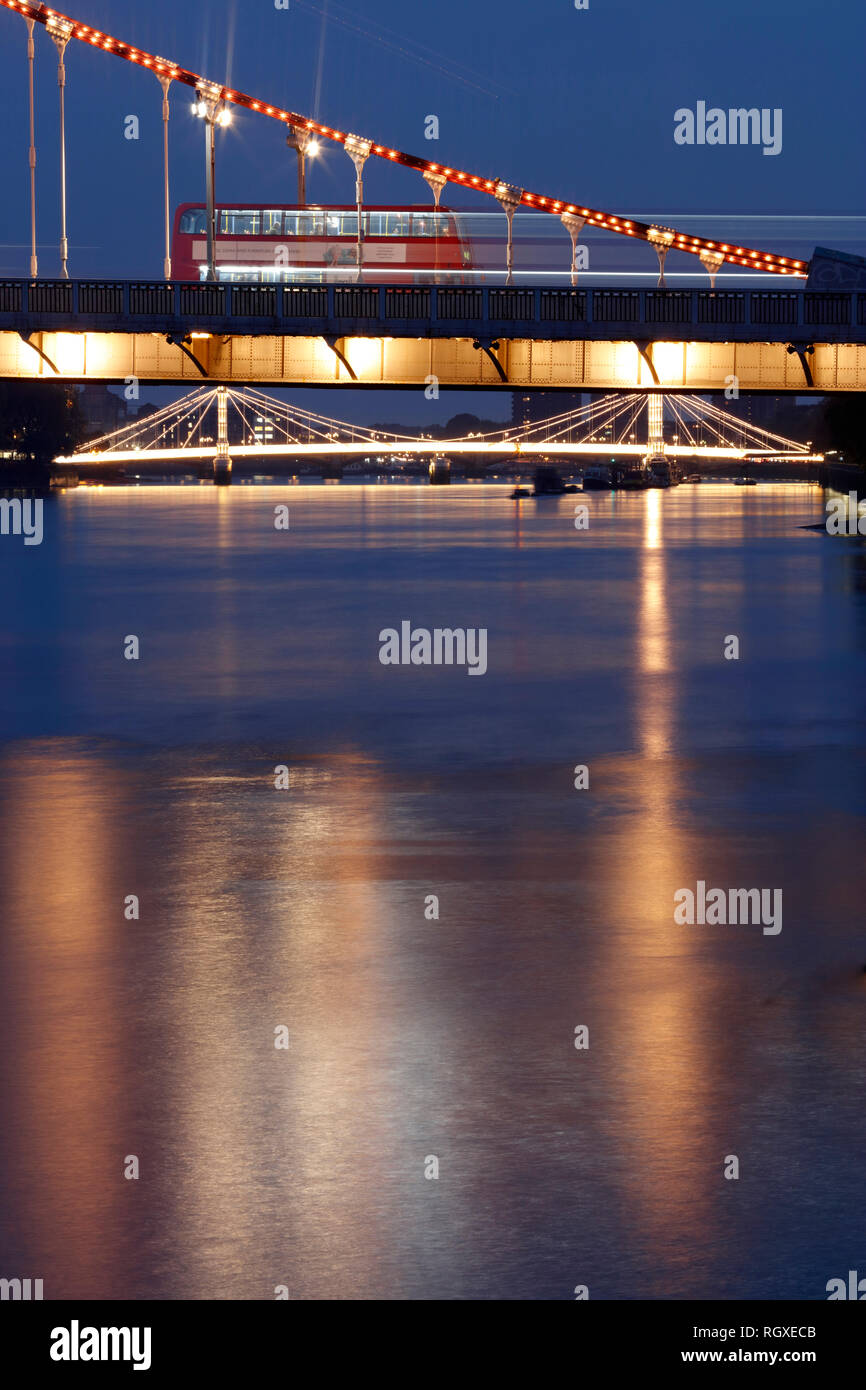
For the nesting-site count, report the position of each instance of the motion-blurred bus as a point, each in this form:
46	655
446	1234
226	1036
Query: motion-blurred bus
310	244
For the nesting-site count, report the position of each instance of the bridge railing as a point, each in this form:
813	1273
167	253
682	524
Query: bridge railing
434	310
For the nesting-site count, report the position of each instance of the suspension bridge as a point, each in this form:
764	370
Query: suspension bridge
807	335
221	423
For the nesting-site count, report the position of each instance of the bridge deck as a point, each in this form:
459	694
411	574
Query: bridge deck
434	311
380	335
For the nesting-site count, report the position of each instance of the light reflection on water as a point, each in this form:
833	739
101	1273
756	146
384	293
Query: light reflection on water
412	1037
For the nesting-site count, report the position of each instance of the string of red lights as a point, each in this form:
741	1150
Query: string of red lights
661	237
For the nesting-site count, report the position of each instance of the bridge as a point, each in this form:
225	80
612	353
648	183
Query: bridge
376	335
268	429
381	336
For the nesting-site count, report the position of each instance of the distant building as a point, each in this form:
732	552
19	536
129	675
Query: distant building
263	429
531	407
103	411
796	417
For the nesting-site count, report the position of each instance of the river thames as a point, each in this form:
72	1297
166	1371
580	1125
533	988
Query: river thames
417	1041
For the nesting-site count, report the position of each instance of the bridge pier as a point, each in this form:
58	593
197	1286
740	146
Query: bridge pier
439	472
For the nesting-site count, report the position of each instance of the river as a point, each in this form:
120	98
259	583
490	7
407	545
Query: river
507	1072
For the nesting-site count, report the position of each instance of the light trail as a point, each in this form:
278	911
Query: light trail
428	448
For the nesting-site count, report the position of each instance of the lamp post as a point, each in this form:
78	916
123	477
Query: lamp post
211	109
165	83
508	197
358	151
61	31
304	143
32	153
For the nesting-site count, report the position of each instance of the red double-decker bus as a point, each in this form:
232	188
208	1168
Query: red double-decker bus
308	244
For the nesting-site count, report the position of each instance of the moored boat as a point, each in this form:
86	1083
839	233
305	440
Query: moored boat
634	480
596	479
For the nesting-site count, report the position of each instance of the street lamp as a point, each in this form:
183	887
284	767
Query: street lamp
210	108
61	31
304	143
30	57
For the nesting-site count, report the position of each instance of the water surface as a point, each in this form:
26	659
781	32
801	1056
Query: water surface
412	1038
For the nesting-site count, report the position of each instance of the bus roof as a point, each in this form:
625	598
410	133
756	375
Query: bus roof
319	207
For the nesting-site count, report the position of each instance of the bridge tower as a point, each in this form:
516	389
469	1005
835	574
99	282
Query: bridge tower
655	409
222	464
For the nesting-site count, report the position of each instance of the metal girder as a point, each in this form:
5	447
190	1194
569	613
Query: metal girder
803	354
28	339
646	351
182	344
333	344
490	349
518	363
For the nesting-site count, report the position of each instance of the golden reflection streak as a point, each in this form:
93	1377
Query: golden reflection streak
661	1073
653	633
63	919
310	1118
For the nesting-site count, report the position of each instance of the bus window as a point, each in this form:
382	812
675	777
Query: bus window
311	224
423	225
272	222
193	222
398	224
341	224
239	223
375	223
